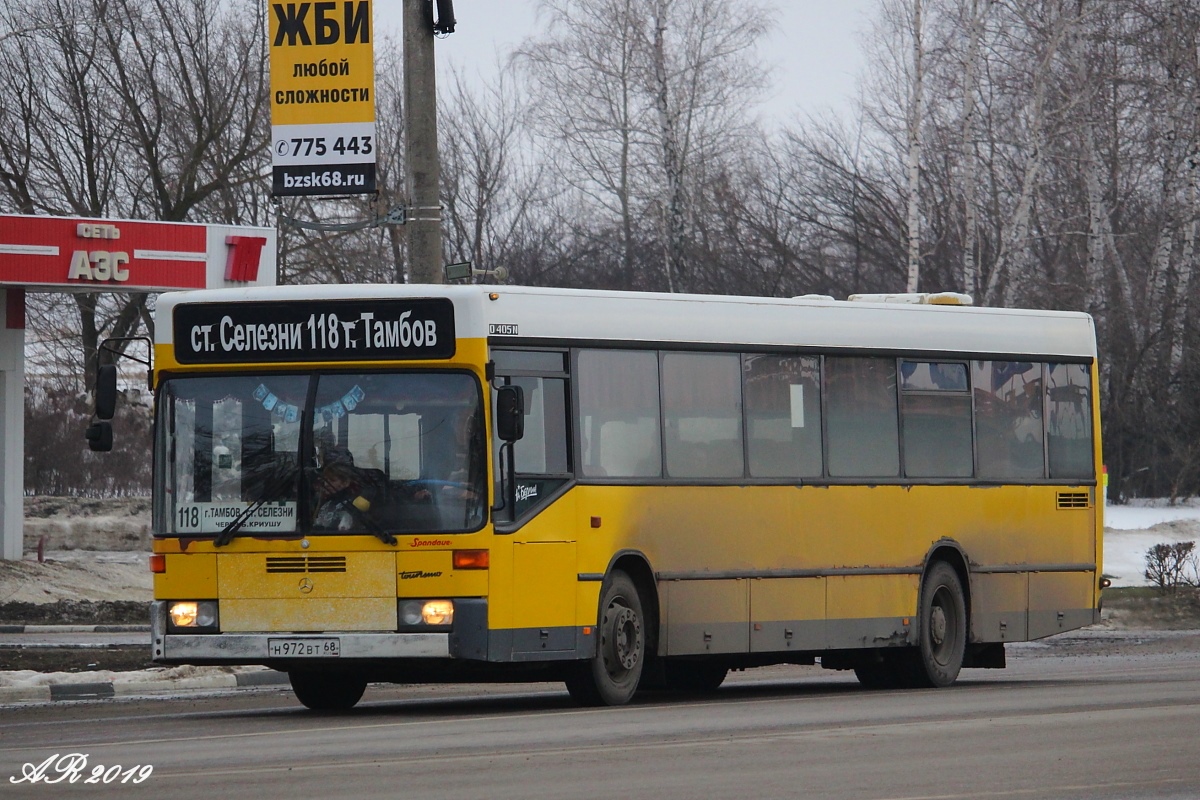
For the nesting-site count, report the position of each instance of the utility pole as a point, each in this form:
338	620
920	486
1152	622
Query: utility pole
423	166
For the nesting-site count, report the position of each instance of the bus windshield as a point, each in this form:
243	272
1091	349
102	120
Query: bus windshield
379	453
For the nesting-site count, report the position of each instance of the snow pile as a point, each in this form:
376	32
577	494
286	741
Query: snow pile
24	678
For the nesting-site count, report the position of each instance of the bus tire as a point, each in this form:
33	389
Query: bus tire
943	628
327	691
611	677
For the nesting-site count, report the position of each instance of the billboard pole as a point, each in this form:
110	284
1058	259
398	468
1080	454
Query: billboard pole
423	165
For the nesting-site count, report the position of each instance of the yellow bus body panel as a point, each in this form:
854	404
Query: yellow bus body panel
431	574
188	576
255	598
252	576
309	614
537	572
727	555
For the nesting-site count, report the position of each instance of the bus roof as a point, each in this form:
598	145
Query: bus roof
530	315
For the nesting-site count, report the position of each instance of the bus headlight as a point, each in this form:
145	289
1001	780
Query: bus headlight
425	614
193	615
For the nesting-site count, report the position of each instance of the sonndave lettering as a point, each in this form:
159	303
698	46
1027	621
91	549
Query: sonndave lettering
419	542
319	332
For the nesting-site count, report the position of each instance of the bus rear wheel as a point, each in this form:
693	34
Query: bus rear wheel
943	628
327	691
611	677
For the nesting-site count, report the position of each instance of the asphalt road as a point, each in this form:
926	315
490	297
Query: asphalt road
1055	724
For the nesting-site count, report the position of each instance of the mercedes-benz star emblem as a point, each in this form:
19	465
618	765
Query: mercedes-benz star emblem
306	585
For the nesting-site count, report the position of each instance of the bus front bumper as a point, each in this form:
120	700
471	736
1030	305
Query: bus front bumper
270	647
260	648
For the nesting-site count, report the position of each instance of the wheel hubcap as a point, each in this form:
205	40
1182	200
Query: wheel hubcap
624	647
937	626
943	626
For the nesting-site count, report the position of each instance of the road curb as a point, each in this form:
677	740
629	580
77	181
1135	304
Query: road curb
107	690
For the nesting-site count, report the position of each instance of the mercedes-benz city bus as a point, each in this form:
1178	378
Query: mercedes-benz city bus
360	484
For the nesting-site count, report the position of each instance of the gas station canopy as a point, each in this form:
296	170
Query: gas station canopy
70	254
57	254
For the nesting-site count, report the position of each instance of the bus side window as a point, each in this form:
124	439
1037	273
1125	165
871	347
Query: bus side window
936	420
619	413
783	415
864	439
1069	420
542	459
702	415
543	449
1008	419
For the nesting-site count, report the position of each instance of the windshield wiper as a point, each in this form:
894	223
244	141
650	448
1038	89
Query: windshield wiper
229	531
374	527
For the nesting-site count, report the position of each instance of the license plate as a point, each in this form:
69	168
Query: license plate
304	648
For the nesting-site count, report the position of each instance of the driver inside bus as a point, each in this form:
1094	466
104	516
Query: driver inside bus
341	491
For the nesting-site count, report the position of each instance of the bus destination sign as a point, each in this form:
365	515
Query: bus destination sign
339	330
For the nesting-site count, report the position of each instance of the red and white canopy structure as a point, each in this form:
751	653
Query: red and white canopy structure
69	254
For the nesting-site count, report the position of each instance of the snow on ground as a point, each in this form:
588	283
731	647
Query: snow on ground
1132	529
1140	514
24	679
77	575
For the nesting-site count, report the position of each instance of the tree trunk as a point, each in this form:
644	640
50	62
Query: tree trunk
966	155
674	234
915	117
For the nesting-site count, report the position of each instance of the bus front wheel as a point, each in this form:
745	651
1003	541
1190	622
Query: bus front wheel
611	677
943	631
327	691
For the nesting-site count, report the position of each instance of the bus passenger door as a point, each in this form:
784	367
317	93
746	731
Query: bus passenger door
542	519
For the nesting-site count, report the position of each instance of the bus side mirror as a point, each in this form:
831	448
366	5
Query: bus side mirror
510	413
99	436
106	393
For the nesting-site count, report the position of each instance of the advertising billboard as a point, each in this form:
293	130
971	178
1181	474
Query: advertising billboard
322	98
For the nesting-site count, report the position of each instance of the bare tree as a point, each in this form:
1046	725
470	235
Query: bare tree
916	118
493	195
641	104
144	110
587	104
973	18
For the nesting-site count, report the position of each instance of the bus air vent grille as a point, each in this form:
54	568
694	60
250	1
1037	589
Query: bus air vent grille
306	564
1074	500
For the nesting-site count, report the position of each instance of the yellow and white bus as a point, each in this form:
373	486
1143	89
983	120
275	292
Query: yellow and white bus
617	490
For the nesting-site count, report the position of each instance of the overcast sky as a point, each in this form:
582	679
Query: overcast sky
813	46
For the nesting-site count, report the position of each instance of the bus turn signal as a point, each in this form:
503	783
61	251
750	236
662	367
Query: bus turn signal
470	559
